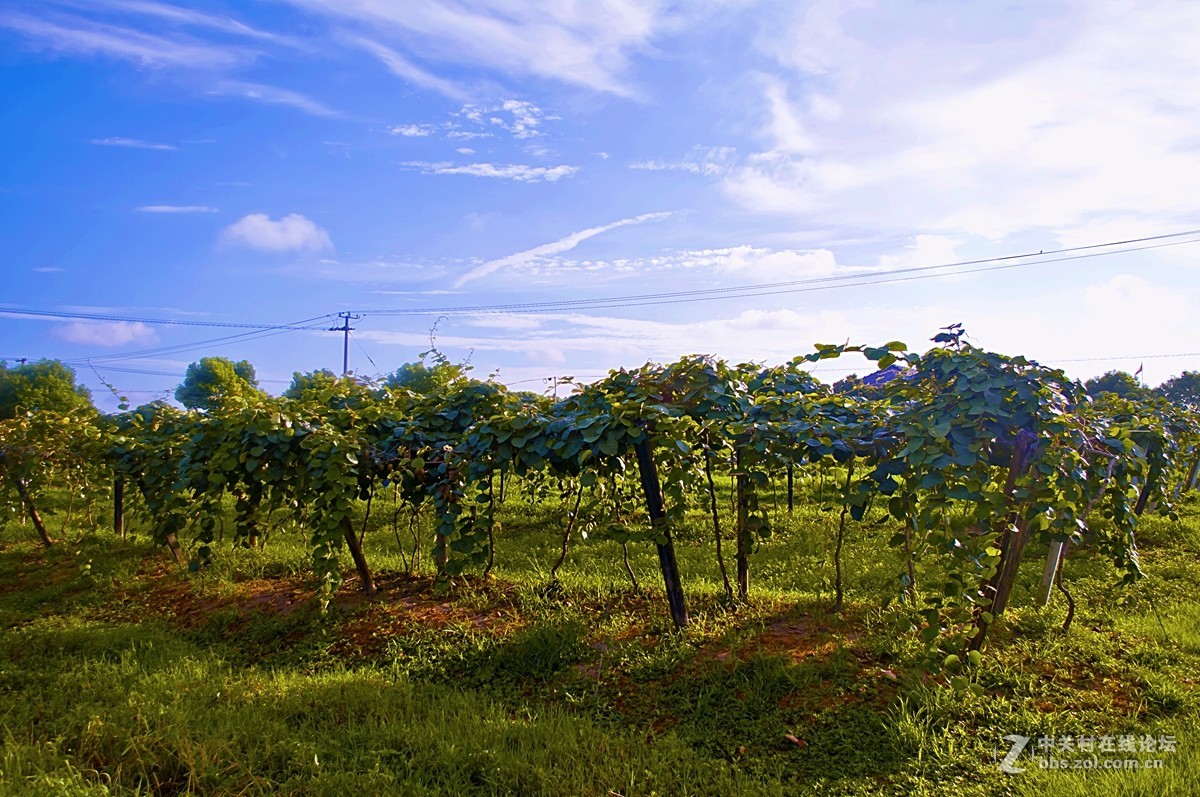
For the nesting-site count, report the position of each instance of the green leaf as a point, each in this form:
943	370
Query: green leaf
609	446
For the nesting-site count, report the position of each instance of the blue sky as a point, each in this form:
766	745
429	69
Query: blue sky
284	161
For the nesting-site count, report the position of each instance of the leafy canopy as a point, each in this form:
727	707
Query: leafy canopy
1183	391
1118	383
427	380
214	378
43	385
311	383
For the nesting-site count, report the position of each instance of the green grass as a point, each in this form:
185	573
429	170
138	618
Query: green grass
122	674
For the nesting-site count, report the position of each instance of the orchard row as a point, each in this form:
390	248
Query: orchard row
975	454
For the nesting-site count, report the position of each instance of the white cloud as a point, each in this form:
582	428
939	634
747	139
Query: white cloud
412	131
176	209
925	250
510	171
373	271
403	68
79	36
48	270
275	96
586	44
725	267
544	251
1049	117
292	232
706	161
1115	318
108	334
467	135
519	118
465	151
185	16
131	143
1131	296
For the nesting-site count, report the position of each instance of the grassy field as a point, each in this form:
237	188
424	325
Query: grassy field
123	674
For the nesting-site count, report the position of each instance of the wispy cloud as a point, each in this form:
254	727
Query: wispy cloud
705	161
132	143
585	44
190	17
291	233
718	267
468	135
274	95
176	209
503	171
79	36
48	270
594	342
405	69
564	244
372	271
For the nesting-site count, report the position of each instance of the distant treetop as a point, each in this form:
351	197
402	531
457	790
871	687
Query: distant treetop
214	378
43	385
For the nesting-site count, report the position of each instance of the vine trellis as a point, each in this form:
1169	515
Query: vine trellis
977	455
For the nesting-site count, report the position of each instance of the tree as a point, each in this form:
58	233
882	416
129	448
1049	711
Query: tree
43	385
1119	383
426	380
311	382
1183	390
214	378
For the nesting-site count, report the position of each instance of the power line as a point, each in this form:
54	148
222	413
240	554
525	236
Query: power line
1111	358
364	351
179	348
35	313
809	284
1126	357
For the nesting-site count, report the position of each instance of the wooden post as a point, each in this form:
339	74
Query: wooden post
1189	480
1151	480
1011	543
658	519
119	507
838	588
791	487
1054	559
744	542
360	561
31	509
172	542
716	521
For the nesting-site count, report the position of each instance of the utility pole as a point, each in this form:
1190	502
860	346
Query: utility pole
345	329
